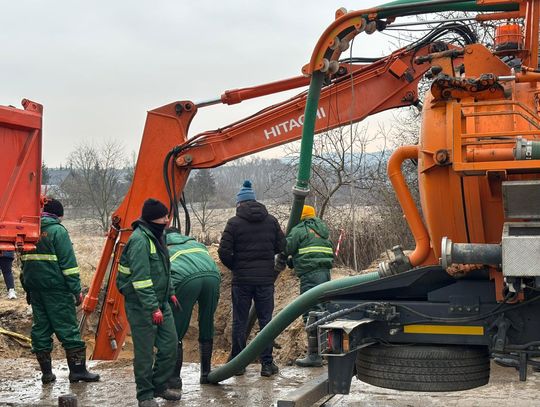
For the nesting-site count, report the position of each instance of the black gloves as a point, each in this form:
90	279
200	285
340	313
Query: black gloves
280	263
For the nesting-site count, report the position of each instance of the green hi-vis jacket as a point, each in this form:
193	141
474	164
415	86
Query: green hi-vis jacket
143	272
52	265
309	246
189	259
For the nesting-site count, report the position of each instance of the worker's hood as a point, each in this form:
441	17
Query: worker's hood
177	238
49	220
318	226
252	211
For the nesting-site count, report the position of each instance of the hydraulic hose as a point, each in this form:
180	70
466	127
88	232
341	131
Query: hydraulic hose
282	321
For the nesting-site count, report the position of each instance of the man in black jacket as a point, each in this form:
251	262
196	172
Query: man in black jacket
248	246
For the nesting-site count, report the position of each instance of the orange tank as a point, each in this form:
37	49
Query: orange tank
466	152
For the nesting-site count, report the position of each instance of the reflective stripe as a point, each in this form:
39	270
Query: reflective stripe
152	246
39	257
316	249
444	329
142	284
124	270
186	251
71	271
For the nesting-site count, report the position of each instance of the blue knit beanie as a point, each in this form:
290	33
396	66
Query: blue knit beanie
246	193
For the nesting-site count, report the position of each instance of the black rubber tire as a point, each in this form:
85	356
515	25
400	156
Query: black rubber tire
423	368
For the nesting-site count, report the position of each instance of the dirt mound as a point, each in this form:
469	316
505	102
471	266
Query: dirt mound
290	342
14	317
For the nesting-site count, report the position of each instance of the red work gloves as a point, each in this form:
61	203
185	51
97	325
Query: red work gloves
78	299
175	302
157	317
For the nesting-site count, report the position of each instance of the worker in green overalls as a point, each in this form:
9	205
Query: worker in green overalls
145	281
196	279
312	255
50	277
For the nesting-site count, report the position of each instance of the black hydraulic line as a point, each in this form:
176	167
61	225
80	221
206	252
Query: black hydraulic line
497	310
187	218
166	179
412	23
176	215
338	314
360	60
461	29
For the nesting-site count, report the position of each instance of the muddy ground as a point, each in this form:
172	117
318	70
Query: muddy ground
20	386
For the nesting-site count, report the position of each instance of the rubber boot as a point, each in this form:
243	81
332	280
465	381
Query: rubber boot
45	364
175	382
311	360
269	369
205	349
148	403
168	394
76	359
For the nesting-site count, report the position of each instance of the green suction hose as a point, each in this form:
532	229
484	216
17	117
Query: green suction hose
301	189
282	321
413	7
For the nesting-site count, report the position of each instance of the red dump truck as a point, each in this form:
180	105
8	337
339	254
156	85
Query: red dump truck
20	175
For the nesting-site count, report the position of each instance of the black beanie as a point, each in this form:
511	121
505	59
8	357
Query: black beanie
54	207
153	209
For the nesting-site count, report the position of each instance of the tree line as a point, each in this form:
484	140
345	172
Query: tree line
349	187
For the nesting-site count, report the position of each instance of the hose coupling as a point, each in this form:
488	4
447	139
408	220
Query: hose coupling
399	264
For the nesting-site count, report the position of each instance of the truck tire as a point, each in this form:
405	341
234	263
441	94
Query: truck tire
423	367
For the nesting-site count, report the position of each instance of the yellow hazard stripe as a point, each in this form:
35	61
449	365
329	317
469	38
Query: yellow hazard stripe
138	285
39	257
124	270
71	271
444	329
316	249
187	251
152	246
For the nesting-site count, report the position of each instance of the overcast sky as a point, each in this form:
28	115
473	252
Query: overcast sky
98	66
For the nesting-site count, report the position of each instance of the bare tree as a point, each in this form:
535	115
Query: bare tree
200	193
95	181
340	158
129	167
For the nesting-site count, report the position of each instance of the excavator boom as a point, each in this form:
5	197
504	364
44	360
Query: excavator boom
353	93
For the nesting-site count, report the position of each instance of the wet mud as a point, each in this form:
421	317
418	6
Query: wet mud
20	385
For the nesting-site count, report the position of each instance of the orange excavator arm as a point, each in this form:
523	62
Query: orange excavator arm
353	93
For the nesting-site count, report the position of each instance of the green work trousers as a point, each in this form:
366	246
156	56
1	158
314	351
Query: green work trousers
151	371
310	280
53	311
204	291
